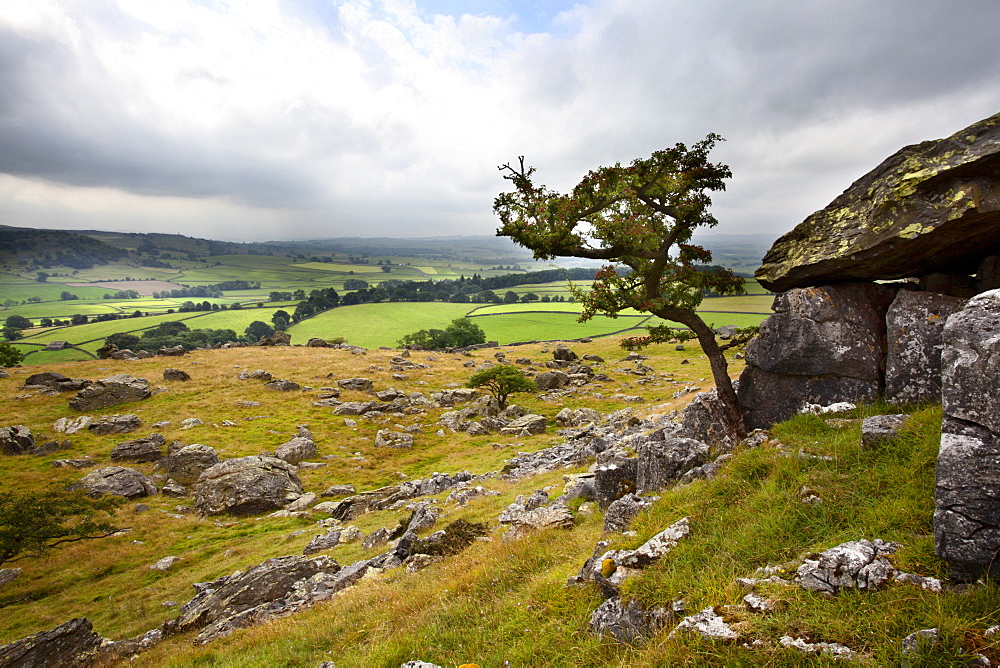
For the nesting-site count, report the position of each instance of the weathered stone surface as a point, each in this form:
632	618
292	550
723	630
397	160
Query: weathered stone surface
708	624
338	490
298	449
322	542
385	497
279	338
139	450
620	513
569	417
188	463
8	575
164	564
246	486
69	644
72	425
356	384
256	374
857	564
822	345
393	439
930	207
525	518
526	424
176	374
16	440
116	424
173	351
551	380
914	327
283	385
119	389
265	591
424	517
357	407
56	381
118	480
967	512
662	463
627	622
614	480
563	354
879	429
704	420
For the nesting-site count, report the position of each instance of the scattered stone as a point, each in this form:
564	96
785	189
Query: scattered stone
72	425
116	424
139	450
393	439
832	648
117	480
176	374
111	391
356	384
662	463
621	512
16	440
257	374
858	564
282	385
708	623
879	429
920	640
837	407
8	575
173	351
298	449
551	380
627	622
322	542
73	463
174	489
246	486
525	425
186	464
164	564
527	516
338	490
614	480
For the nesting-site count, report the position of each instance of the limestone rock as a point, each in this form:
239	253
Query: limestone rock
356	384
8	575
298	449
551	380
857	564
338	490
967	503
176	374
246	486
256	374
111	391
914	327
139	450
283	385
118	480
881	428
524	519
662	463
393	439
72	425
627	622
116	424
56	381
16	440
323	542
164	564
614	480
188	463
930	207
279	338
531	424
708	624
69	644
620	513
822	345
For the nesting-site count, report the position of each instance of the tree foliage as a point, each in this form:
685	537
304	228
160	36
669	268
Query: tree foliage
502	381
460	333
639	219
9	355
33	522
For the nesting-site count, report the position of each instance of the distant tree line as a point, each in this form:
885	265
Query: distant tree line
202	291
173	333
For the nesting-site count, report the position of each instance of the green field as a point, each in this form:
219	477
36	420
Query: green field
373	325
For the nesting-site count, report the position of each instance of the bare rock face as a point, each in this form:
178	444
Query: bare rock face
931	207
176	374
116	424
56	381
356	384
393	439
628	622
69	644
247	486
822	345
300	448
879	429
662	463
118	480
187	464
967	499
859	564
111	391
914	324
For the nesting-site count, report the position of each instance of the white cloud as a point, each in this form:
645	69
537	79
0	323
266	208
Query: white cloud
383	117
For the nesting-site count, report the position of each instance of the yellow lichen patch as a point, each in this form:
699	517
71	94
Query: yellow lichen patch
915	230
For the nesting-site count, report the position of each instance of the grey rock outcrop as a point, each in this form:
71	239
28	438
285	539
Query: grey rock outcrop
283	385
393	439
930	207
551	380
116	424
914	326
628	622
246	486
118	480
879	429
16	440
139	450
186	464
356	384
620	513
662	463
967	498
118	389
526	424
298	449
822	345
69	644
56	381
176	374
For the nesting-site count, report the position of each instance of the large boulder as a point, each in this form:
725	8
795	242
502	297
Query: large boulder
822	345
139	450
69	644
662	463
56	381
116	424
117	480
119	389
914	324
298	449
930	207
247	486
187	464
967	511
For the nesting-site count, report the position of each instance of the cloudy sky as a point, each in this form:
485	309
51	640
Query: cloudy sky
268	119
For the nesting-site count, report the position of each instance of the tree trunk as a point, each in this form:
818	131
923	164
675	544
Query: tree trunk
717	361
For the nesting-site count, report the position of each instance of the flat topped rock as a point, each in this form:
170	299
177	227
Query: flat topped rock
931	207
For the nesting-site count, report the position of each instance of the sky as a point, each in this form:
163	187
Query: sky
297	119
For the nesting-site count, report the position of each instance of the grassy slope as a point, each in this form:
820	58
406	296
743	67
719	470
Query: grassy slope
497	601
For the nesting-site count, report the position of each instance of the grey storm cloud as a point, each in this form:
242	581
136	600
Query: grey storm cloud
368	113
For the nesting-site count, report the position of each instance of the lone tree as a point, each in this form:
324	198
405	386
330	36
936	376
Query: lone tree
34	522
641	216
502	381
